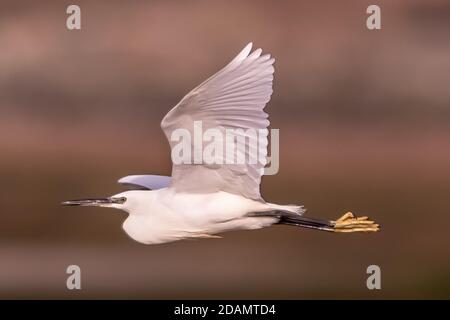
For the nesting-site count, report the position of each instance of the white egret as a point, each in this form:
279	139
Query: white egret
204	199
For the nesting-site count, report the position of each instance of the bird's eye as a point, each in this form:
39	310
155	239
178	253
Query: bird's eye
120	200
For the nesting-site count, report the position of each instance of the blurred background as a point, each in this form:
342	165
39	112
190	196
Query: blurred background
364	126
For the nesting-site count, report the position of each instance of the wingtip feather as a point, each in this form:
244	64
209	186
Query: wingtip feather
247	49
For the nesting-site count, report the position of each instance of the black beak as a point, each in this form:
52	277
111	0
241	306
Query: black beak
88	202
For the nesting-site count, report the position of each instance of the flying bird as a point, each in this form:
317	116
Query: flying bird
204	199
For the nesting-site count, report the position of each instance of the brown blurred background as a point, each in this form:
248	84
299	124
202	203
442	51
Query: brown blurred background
364	126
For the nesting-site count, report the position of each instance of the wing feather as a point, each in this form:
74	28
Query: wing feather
233	98
150	182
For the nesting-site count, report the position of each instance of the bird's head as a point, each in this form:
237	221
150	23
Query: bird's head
123	201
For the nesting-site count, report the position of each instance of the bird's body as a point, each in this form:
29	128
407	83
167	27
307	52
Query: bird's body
160	216
211	190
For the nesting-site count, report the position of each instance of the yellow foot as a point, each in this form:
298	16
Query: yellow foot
349	223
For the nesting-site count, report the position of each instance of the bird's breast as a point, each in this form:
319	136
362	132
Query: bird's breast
151	231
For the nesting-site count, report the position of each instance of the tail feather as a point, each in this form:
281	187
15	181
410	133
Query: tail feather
299	210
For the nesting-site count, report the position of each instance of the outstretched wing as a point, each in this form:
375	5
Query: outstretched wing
233	98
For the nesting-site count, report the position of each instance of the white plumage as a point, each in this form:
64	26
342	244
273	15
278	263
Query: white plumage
232	98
